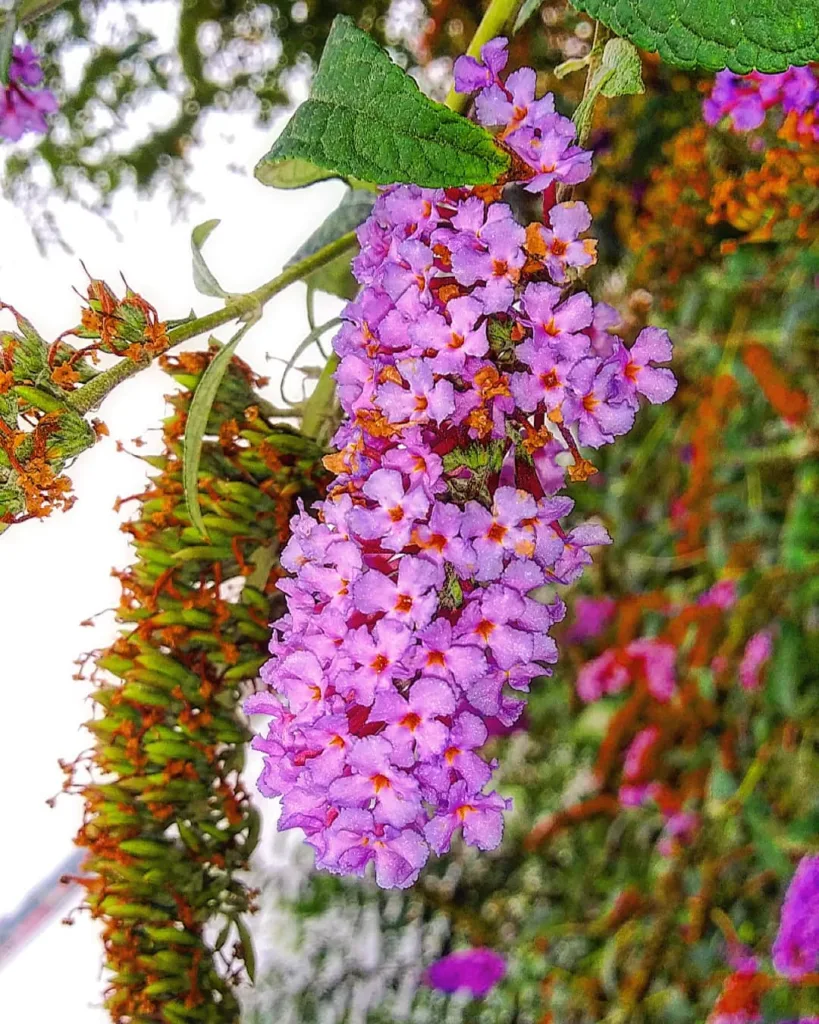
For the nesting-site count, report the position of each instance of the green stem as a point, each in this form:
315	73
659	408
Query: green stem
90	395
584	115
497	15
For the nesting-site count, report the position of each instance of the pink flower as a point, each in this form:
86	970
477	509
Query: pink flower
755	657
475	970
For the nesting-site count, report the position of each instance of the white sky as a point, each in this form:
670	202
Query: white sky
56	573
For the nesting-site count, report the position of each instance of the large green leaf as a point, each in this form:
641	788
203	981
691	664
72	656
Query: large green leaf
367	119
743	35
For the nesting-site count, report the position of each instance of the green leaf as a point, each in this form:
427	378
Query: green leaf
787	667
336	278
247	948
624	61
367	119
197	424
526	11
763	35
203	277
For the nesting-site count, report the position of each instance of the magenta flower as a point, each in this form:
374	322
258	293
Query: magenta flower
475	970
796	947
23	108
659	663
722	595
638	751
602	676
591	617
755	657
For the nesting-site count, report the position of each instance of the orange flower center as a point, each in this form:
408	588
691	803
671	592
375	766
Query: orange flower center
484	629
496	533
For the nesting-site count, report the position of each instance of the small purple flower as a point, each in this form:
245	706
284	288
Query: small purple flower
472	74
411	598
475	970
599	415
637	375
424	399
562	242
449	342
413	723
23	108
480	816
354	839
377	784
501	530
396	512
513	105
559	325
796	947
551	155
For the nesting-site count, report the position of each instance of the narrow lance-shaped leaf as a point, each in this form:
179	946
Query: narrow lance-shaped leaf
367	119
763	35
197	424
203	277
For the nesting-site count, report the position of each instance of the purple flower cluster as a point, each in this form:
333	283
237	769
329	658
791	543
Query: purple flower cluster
23	107
746	99
796	947
465	367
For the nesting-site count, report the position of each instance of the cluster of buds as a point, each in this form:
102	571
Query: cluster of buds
471	368
168	824
43	396
23	106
